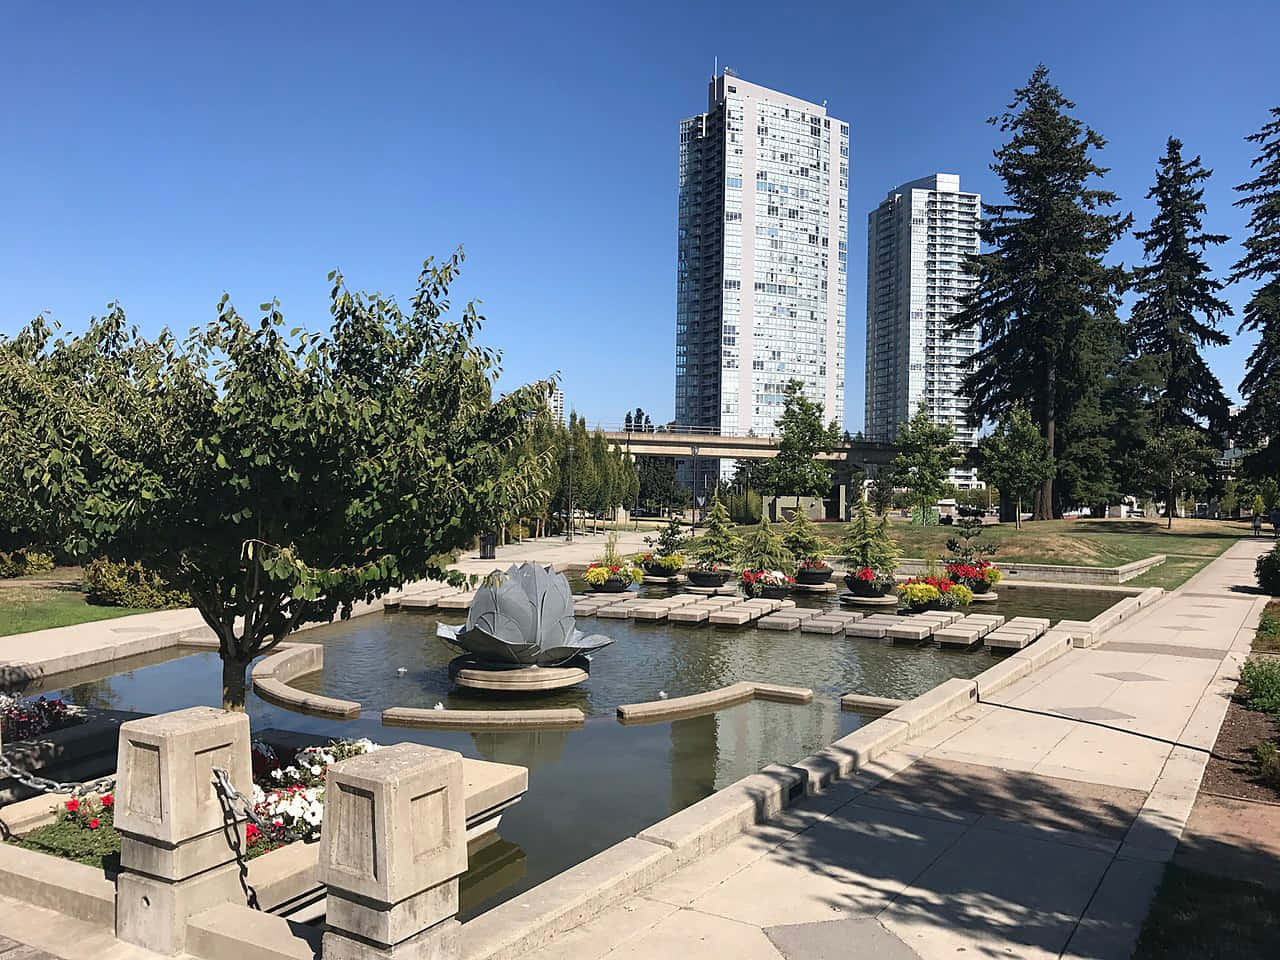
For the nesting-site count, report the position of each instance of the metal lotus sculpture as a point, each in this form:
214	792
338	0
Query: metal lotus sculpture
523	617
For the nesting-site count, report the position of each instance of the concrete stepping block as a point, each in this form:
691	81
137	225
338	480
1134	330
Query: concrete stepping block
682	599
945	616
650	613
845	616
910	631
958	635
988	617
733	617
689	614
418	602
616	611
778	622
786	604
718	603
863	628
765	603
822	625
885	618
1005	639
458	601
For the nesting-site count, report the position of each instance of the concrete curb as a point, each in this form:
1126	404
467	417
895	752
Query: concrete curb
422	718
709	701
70	888
233	932
859	703
272	674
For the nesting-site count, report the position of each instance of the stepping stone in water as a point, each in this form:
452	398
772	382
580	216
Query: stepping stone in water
958	635
689	614
734	617
776	622
866	628
1005	639
822	625
909	631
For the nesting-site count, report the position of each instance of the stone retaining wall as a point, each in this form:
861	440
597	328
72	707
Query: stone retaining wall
1055	573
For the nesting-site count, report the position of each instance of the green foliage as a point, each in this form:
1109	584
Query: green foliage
1014	456
795	471
763	549
111	584
1046	299
24	563
1260	387
277	476
965	546
925	457
881	492
1178	308
718	546
657	482
1267	570
670	541
867	543
802	538
1261	679
745	508
1177	459
1268	757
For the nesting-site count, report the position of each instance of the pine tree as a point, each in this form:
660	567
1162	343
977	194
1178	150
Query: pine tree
1178	307
1045	303
1261	263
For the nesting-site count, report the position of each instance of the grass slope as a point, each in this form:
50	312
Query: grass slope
51	600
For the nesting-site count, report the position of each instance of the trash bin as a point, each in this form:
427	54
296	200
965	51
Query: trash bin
489	546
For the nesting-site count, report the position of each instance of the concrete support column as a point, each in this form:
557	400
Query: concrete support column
392	847
176	853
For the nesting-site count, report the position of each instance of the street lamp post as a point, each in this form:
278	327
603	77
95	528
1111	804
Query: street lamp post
569	535
694	486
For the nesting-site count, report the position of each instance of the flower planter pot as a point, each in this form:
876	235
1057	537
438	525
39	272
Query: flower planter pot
813	576
612	585
978	586
708	578
658	570
921	607
770	592
863	588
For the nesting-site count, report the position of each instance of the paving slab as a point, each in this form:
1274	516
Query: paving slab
909	631
870	629
733	617
959	635
689	614
780	623
822	625
833	940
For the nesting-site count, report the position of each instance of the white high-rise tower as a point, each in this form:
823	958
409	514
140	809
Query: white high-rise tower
763	239
917	240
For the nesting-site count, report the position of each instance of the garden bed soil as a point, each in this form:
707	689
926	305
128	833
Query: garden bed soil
1232	770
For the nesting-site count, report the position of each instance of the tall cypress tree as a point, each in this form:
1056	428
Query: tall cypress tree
1261	262
1046	302
1178	307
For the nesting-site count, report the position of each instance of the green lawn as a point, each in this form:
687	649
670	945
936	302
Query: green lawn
1195	916
1173	573
52	600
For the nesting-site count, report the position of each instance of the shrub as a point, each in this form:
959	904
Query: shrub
1268	757
763	549
802	539
745	508
669	542
112	584
1261	679
1268	572
718	546
24	563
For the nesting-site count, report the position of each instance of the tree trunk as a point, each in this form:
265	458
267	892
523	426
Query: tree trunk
1171	503
233	685
1017	517
1044	500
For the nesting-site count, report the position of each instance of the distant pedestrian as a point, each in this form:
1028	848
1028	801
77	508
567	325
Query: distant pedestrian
1257	524
1275	523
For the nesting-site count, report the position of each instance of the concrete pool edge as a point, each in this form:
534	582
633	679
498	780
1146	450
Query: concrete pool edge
567	900
709	701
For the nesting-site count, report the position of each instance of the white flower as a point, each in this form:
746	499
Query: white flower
291	771
316	771
277	774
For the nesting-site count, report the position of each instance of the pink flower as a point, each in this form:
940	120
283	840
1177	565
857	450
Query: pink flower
95	823
73	805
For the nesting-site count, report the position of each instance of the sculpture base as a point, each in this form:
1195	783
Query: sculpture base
853	600
517	678
989	597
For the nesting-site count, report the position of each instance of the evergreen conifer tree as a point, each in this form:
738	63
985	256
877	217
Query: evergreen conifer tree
1261	263
1178	307
1045	304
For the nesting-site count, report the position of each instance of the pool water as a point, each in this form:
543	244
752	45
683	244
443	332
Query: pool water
594	786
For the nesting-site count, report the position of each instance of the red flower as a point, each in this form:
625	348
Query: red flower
866	574
108	801
95	823
73	805
252	834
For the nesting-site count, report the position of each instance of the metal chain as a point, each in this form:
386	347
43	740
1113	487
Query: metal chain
46	785
222	783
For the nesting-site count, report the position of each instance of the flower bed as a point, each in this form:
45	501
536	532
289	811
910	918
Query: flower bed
289	799
979	575
27	719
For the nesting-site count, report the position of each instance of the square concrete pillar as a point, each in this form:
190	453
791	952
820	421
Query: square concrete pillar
176	853
392	847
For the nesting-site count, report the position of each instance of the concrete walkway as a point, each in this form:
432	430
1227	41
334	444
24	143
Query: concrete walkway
43	652
1035	825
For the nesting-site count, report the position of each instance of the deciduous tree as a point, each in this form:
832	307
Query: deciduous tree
1013	457
276	476
924	461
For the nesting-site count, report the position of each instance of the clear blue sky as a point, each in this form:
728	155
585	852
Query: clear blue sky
160	156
